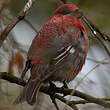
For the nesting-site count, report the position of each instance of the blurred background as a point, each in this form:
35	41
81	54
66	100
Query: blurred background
14	50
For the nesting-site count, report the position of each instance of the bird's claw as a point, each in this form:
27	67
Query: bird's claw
65	86
52	86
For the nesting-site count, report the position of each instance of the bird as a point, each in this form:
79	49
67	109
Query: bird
57	53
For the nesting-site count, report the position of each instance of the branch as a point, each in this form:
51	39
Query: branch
18	18
94	29
87	98
83	96
12	79
96	61
85	101
29	23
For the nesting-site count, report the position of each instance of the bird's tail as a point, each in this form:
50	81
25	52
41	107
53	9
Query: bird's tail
29	92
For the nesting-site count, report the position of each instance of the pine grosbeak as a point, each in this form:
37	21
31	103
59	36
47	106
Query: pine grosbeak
57	53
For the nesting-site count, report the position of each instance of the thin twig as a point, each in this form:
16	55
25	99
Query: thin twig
97	65
29	23
18	18
96	30
96	61
85	101
61	98
12	79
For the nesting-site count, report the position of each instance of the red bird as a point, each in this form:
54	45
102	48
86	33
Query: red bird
57	53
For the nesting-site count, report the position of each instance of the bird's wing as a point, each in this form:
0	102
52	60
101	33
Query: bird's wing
72	42
71	54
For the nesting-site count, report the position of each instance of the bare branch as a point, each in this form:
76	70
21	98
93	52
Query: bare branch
85	101
96	61
18	18
11	78
96	30
29	23
80	81
90	99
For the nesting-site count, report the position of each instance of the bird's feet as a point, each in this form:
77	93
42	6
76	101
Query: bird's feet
52	86
65	86
52	94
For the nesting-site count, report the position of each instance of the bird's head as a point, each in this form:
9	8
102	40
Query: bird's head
70	11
